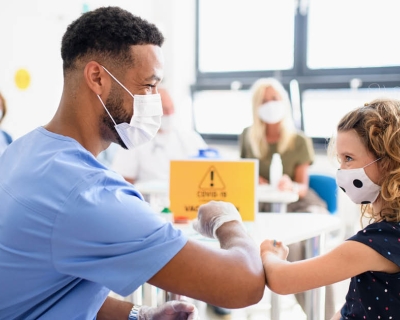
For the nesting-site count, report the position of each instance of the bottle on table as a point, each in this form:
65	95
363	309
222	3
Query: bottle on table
275	170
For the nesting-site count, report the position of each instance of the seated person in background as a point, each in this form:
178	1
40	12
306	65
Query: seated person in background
367	148
150	161
273	131
5	138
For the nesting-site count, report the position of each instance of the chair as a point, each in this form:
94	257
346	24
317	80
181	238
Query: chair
325	186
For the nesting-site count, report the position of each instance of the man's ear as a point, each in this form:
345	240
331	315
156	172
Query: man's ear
96	78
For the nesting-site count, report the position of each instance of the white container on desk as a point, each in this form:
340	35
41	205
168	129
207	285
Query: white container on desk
275	170
280	199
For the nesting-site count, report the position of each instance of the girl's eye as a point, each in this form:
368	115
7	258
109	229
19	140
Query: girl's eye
347	158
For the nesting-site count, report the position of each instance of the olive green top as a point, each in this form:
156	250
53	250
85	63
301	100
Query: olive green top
302	152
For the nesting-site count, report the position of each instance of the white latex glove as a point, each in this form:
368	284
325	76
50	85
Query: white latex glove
171	310
214	214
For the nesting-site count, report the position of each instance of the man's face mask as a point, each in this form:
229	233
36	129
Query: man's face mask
272	111
146	119
356	184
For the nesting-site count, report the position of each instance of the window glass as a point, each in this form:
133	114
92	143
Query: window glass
245	35
323	109
353	34
222	112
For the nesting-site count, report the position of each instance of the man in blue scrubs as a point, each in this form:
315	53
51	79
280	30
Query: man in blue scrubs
71	229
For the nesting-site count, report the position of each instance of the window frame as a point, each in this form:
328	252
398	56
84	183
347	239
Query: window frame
306	78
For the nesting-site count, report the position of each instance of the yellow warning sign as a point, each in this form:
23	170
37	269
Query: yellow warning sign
212	180
194	182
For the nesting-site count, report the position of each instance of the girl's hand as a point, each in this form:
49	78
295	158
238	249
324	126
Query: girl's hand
275	247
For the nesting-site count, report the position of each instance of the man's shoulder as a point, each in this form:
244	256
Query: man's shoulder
43	156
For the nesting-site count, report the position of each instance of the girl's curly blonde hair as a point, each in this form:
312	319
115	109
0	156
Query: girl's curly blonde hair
378	126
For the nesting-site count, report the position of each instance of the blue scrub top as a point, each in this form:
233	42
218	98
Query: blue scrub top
71	230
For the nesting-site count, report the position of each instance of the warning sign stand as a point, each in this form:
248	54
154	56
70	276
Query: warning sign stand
194	182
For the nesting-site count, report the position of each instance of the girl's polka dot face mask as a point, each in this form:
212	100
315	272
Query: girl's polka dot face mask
356	184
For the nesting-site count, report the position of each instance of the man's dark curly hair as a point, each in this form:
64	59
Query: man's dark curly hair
107	33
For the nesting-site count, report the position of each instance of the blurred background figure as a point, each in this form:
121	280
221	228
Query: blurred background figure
5	138
150	162
273	131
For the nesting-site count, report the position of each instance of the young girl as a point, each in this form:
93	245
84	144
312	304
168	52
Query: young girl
368	149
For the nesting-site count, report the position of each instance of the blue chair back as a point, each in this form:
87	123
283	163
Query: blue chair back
325	186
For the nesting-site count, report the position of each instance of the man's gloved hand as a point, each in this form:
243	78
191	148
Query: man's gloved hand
171	310
214	214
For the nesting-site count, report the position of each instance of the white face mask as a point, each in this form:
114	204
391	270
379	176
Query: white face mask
146	119
167	122
356	184
272	112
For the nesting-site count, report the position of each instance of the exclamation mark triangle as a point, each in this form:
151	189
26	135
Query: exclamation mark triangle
212	180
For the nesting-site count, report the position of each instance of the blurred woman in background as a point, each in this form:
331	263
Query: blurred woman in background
273	131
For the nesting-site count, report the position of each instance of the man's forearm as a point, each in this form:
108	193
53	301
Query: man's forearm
233	235
246	254
114	309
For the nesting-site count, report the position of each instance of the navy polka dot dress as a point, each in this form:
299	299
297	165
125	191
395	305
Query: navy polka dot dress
376	295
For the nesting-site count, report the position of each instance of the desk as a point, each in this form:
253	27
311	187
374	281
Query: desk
278	199
156	192
293	228
288	228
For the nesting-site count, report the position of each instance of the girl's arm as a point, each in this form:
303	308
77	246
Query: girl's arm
345	261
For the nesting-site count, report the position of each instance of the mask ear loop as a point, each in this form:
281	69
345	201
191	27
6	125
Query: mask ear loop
372	162
118	82
106	109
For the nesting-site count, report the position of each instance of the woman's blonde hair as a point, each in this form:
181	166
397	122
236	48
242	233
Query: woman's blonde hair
378	126
257	137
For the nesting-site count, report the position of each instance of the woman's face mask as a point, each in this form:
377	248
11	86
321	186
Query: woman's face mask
146	119
272	112
356	184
